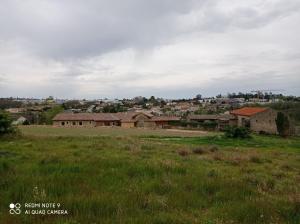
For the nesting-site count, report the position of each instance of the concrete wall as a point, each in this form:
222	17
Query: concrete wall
264	121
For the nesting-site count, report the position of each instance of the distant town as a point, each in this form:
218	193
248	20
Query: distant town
208	113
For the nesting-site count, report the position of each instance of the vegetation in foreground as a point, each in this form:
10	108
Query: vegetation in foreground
152	179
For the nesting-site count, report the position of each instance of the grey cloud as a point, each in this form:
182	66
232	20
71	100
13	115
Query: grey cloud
88	28
78	29
68	45
213	19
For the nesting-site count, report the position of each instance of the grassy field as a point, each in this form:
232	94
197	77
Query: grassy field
47	131
143	176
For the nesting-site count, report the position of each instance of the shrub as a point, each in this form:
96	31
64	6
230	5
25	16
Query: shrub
5	124
237	132
209	125
199	150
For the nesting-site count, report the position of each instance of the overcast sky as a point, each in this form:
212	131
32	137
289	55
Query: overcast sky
167	48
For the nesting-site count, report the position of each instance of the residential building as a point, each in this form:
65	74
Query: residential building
222	120
123	119
257	119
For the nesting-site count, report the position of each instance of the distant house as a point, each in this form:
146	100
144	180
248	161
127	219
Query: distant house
258	119
15	110
123	119
222	120
21	120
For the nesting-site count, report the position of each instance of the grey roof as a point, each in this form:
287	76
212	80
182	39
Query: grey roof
211	117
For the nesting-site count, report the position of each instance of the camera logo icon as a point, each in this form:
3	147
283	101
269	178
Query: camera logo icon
15	209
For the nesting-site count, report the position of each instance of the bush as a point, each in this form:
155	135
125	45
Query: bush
199	150
5	124
209	125
236	132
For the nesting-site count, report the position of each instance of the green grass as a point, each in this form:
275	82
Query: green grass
106	131
140	178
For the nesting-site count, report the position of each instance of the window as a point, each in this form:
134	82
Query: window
74	123
62	123
67	122
80	122
256	121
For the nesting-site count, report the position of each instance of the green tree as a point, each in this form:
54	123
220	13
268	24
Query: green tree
5	124
47	116
283	124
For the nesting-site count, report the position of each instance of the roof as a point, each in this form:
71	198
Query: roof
74	117
105	117
121	116
203	117
211	117
130	116
248	111
165	118
225	117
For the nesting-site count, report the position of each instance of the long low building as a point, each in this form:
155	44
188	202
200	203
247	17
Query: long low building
123	119
221	120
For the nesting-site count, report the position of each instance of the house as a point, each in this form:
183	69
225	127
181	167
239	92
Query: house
21	120
221	120
257	119
123	119
15	110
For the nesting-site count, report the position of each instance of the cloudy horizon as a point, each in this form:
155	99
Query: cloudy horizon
166	48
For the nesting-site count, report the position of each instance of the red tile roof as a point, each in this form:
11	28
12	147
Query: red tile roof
248	111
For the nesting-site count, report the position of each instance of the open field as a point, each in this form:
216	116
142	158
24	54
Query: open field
40	130
149	176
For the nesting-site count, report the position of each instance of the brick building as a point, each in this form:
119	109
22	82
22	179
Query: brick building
257	119
123	119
